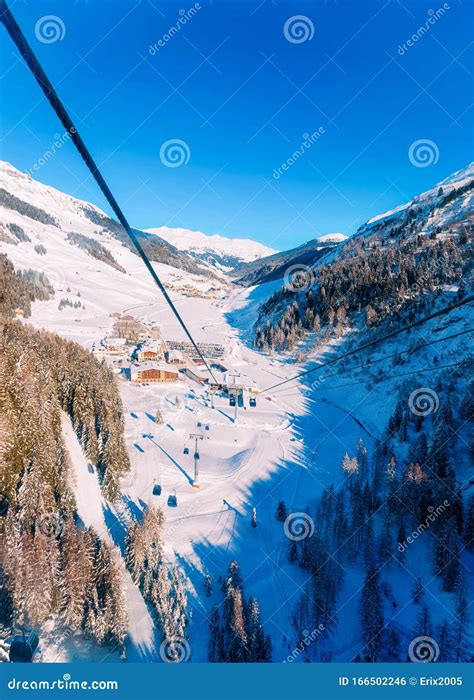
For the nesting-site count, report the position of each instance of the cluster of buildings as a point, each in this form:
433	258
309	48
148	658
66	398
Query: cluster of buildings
150	358
211	351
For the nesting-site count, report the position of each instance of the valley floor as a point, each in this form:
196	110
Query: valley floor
289	447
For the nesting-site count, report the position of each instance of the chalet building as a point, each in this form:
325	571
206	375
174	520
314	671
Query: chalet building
150	351
115	346
153	373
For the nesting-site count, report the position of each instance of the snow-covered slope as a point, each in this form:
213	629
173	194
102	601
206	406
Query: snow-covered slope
433	202
332	238
216	250
24	199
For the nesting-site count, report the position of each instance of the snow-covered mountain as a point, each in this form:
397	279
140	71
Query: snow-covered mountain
219	251
255	464
332	238
25	201
445	202
275	267
417	247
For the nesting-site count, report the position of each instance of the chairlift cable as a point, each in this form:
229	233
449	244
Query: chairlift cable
393	376
371	343
338	373
33	64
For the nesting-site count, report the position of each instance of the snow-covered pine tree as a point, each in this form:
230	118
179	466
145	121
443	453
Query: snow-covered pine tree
216	649
281	513
371	616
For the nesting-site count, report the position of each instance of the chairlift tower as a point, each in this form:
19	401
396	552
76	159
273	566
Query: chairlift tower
235	375
196	437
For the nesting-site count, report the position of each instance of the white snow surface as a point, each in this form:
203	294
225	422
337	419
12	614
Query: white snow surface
332	238
455	181
289	447
244	249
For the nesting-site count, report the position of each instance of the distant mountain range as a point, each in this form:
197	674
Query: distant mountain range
275	266
218	251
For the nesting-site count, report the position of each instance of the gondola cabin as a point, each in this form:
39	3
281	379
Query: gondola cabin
23	647
172	500
157	489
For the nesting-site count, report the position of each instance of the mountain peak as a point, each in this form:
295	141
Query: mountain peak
215	249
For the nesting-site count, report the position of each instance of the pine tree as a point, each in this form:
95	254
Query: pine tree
371	616
254	517
423	625
362	460
216	650
281	512
468	530
208	585
350	468
292	552
461	638
393	645
418	591
445	642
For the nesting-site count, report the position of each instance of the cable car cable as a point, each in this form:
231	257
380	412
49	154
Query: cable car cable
411	351
371	343
393	376
33	64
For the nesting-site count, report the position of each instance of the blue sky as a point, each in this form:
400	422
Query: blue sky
240	95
